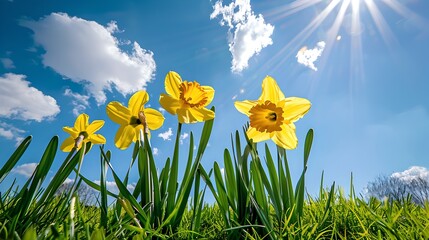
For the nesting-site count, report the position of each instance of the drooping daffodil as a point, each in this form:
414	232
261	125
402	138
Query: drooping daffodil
133	118
272	116
82	132
187	99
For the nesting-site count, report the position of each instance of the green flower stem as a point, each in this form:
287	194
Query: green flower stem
172	181
79	165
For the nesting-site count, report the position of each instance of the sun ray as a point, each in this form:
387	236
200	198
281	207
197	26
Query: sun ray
356	66
292	8
406	13
356	25
333	31
349	14
381	23
356	54
292	47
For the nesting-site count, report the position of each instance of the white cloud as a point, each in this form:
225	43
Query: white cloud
20	101
166	135
162	110
112	27
79	102
87	53
68	180
307	57
25	169
7	63
112	187
242	90
12	133
131	187
183	137
250	32
155	151
412	173
18	140
6	133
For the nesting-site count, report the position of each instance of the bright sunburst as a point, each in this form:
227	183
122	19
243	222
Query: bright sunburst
349	14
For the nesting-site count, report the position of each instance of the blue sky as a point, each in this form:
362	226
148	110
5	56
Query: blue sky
362	64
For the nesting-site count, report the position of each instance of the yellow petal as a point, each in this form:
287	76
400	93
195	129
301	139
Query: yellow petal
154	119
271	91
172	84
184	116
97	139
209	93
286	138
245	106
81	122
193	115
256	135
169	103
202	114
295	108
94	126
67	145
124	137
72	131
136	102
118	113
137	129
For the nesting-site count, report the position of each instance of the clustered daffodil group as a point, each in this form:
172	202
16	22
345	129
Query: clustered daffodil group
272	116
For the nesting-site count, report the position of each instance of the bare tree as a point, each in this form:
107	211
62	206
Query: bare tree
397	189
87	195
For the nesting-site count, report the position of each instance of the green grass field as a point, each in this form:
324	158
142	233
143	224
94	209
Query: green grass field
255	198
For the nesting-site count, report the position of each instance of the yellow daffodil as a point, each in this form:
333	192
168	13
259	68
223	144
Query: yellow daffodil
133	118
272	116
187	99
82	132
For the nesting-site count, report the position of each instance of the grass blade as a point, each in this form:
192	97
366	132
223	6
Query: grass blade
14	158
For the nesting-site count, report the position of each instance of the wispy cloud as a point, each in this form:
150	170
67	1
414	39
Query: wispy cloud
7	63
95	60
307	57
248	33
242	90
155	151
112	187
20	101
166	135
413	173
12	133
183	137
25	169
79	102
6	133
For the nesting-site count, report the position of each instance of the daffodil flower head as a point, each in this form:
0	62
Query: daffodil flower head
272	116
82	132
133	118
187	100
